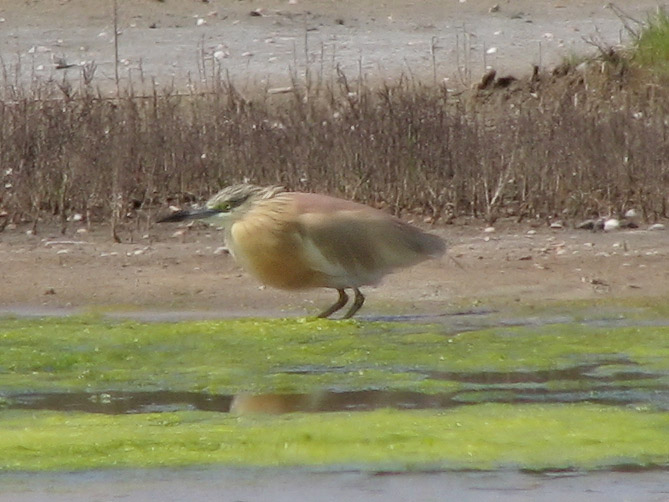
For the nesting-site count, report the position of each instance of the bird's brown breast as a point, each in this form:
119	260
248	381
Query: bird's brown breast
266	243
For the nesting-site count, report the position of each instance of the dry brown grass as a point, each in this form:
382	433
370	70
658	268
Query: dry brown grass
577	145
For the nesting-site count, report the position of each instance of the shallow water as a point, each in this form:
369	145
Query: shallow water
616	382
613	379
452	320
276	485
517	381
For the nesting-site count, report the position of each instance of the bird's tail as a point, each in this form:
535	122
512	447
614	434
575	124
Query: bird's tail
433	245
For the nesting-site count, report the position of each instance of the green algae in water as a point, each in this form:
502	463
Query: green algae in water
260	356
489	436
264	356
284	356
89	354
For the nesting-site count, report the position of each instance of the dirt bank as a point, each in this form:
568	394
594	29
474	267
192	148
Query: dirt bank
163	271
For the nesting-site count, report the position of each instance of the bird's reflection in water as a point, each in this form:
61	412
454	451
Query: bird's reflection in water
325	401
245	404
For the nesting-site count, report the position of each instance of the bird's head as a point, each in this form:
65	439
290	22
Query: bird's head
229	204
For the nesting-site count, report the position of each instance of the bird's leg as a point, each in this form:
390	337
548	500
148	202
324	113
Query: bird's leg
357	303
343	298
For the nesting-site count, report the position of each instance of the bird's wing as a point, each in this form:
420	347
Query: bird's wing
361	243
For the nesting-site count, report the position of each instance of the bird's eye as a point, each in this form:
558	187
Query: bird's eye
225	207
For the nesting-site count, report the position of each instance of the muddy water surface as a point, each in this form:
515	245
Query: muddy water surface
218	485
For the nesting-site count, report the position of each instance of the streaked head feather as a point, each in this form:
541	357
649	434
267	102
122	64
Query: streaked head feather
235	196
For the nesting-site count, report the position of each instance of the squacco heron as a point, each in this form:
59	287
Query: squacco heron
295	240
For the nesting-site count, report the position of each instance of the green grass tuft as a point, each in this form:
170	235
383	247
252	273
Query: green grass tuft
652	46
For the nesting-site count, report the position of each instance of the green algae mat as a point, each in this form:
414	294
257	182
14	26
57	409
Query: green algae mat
89	392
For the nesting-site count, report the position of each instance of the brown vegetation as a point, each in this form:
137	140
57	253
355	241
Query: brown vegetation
591	140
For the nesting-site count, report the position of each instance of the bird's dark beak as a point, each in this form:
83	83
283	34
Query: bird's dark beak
188	214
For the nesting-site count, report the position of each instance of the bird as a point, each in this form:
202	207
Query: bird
300	240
